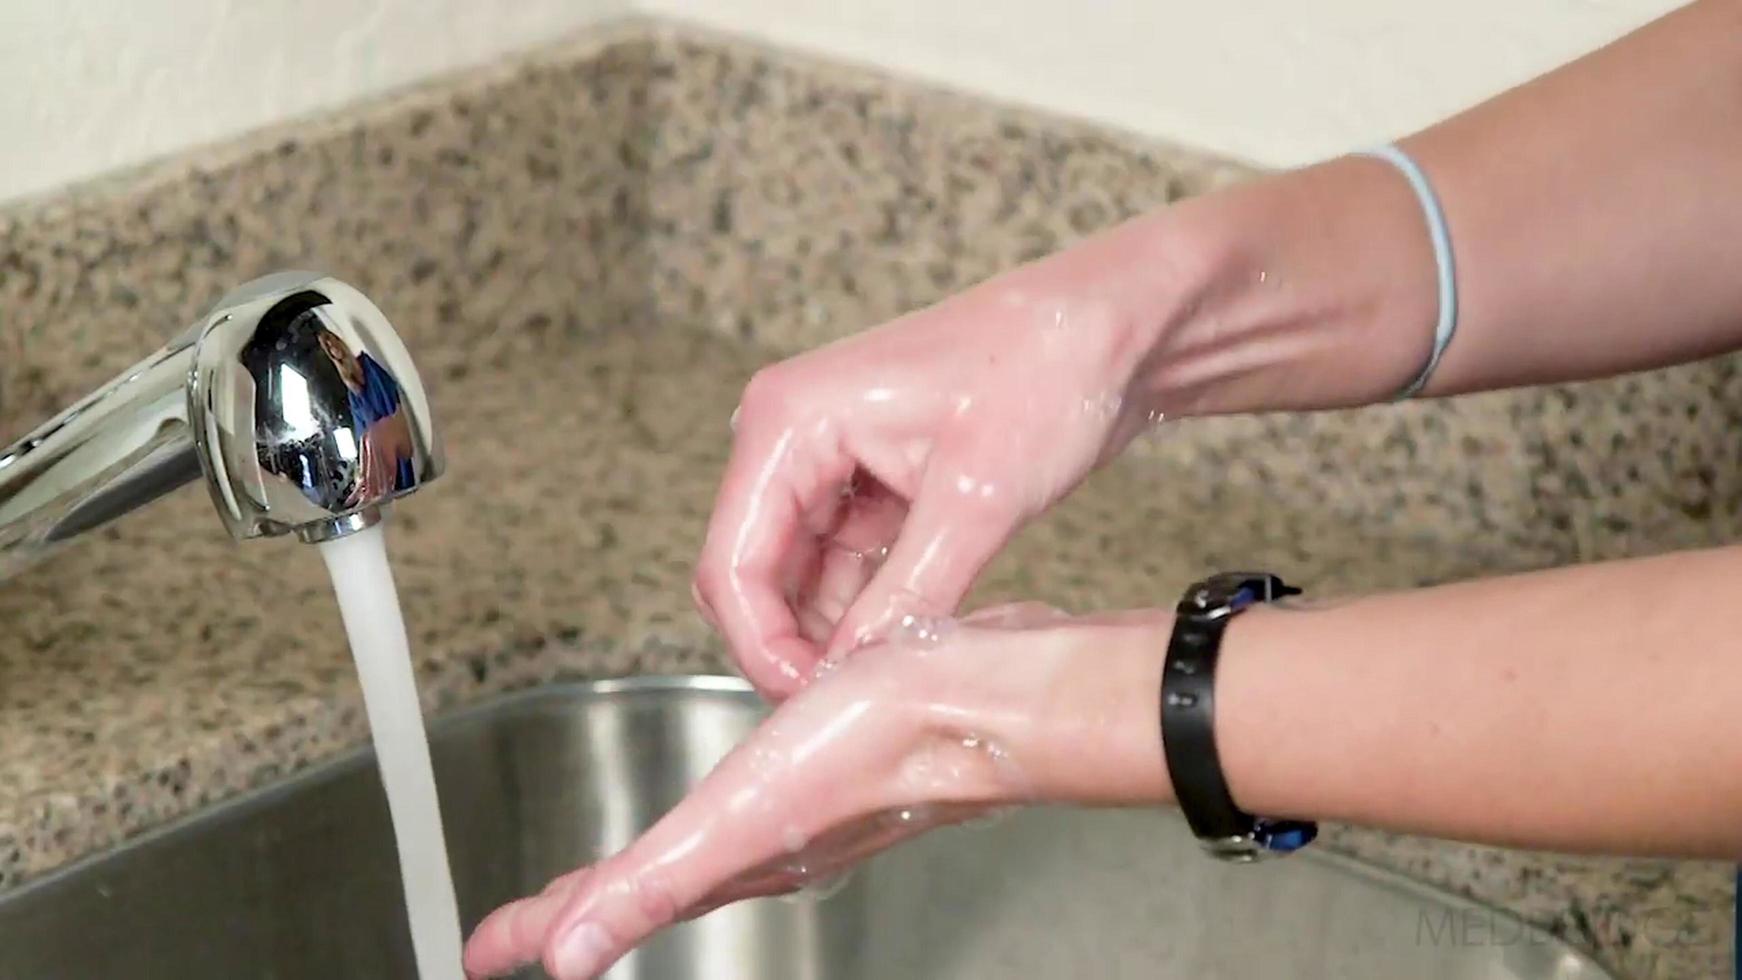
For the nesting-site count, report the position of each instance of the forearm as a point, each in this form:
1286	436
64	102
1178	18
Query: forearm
1596	209
1588	709
1593	218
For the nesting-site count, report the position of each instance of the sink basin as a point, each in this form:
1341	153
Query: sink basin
299	880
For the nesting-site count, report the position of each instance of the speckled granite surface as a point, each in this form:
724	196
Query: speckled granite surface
589	251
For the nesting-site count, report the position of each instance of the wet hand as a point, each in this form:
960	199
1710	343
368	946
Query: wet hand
382	448
1012	706
874	478
375	470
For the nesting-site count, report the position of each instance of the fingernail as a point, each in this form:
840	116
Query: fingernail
582	952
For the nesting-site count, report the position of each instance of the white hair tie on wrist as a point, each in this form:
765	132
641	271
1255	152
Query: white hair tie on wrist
1442	241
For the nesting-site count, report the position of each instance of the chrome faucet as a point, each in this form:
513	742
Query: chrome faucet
294	398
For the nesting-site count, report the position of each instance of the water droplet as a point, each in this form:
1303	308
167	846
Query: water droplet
917	772
764	761
793	839
908	817
874	555
1010	772
924	631
822	889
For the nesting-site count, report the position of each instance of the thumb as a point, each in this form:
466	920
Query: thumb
957	523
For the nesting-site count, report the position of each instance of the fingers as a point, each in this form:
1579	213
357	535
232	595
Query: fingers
581	927
627	899
842	576
782	881
666	876
777	479
837	853
956	524
799	772
824	782
849	559
511	936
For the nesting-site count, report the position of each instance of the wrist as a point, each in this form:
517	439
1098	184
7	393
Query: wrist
1098	740
1268	691
1307	290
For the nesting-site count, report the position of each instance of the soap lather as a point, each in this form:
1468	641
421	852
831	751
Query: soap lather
294	399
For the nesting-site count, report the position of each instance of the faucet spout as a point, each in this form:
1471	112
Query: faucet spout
294	399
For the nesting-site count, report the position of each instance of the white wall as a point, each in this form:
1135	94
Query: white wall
1269	81
87	86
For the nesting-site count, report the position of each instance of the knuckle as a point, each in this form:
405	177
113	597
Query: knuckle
656	899
769	391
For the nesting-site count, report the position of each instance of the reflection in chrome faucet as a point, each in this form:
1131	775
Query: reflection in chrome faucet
384	458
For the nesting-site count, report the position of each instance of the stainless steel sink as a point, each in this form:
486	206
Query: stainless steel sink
299	881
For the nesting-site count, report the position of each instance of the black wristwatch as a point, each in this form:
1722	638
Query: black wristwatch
1188	714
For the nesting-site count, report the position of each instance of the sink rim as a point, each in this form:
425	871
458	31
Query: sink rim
738	691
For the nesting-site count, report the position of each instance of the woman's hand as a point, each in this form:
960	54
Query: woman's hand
928	441
1016	705
384	446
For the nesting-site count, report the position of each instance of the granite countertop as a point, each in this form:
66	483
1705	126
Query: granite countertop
589	251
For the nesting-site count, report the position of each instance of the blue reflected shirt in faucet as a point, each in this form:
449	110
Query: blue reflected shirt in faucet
376	399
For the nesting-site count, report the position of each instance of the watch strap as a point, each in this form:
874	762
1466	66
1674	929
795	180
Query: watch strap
1188	720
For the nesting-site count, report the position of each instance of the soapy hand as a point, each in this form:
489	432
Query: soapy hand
1015	705
874	478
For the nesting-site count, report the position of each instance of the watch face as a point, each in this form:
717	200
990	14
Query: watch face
1231	591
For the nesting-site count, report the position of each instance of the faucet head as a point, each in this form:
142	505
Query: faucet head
306	411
